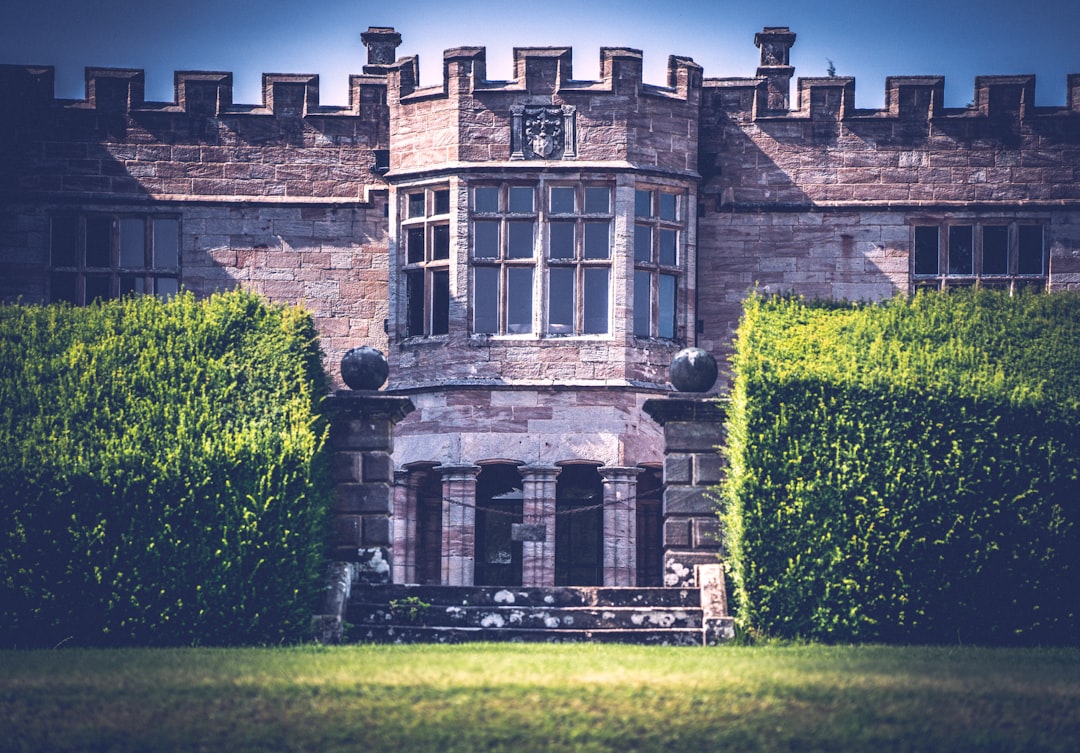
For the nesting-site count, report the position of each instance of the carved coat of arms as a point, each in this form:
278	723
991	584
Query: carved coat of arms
543	132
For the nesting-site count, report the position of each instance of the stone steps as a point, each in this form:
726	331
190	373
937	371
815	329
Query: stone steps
415	634
455	614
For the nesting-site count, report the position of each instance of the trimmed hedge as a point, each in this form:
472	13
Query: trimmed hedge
162	479
908	471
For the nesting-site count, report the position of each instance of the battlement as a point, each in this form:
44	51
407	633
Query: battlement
543	71
200	93
996	98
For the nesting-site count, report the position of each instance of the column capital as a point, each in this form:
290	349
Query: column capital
538	471
619	473
458	472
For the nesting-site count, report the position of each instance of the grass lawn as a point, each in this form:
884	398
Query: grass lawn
524	698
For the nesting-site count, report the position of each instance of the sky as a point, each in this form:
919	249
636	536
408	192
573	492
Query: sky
867	39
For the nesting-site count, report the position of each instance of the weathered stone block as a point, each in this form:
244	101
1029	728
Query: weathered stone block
683	436
347	531
344	467
708	468
677	533
377	531
677	469
687	500
706	533
355	499
377	466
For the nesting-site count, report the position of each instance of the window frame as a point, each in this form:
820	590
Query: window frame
582	263
663	275
114	274
425	263
507	263
958	257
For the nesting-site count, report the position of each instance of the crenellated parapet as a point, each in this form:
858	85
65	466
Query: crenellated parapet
832	98
544	114
197	93
202	145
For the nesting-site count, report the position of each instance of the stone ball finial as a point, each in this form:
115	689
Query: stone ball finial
364	368
693	370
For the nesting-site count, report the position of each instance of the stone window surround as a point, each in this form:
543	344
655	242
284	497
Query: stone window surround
77	278
425	258
961	242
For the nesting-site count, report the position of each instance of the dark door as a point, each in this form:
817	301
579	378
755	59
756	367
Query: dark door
498	507
579	527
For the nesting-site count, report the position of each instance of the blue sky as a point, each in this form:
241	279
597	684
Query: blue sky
959	39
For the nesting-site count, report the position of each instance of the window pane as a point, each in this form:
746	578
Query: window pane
519	299
520	241
65	239
643	244
995	250
62	287
960	258
132	285
414	301
440	242
98	242
521	199
665	325
562	200
642	302
486	299
668	205
597	200
442	202
416	205
596	300
440	302
562	240
486	199
132	243
643	203
486	239
166	244
98	287
414	245
668	241
597	245
561	300
1030	259
926	250
166	287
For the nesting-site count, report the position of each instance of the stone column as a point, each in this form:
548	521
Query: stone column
362	438
693	429
537	532
620	525
404	525
459	524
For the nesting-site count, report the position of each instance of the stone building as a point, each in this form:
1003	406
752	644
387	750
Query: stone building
530	254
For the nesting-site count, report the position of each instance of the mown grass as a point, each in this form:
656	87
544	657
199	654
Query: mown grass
538	698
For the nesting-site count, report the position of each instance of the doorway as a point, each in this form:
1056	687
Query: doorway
579	527
499	500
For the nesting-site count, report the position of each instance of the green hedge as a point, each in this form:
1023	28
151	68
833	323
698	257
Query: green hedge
908	471
162	479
